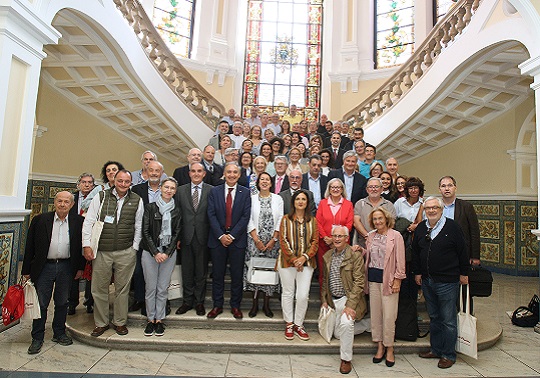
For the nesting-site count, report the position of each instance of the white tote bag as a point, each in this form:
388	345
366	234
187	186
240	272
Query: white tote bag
175	286
467	341
97	228
31	302
327	322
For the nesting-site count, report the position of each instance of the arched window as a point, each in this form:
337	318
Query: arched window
173	20
282	64
394	32
441	7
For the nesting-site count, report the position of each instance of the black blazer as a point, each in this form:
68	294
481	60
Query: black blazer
142	190
194	223
465	216
286	195
359	184
322	182
181	174
38	241
75	208
214	178
338	163
284	184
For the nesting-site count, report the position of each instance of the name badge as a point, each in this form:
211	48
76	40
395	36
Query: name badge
108	219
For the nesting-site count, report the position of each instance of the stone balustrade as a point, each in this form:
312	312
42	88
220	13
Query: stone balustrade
442	36
181	82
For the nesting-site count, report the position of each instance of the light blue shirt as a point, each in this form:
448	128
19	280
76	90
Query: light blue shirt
153	195
449	210
438	227
349	180
315	188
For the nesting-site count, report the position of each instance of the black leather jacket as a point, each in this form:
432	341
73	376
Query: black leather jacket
151	228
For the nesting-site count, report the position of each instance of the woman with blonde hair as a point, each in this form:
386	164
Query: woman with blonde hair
385	268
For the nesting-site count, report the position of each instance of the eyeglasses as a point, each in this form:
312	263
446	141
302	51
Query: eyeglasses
336	188
339	236
372	187
431	208
295	177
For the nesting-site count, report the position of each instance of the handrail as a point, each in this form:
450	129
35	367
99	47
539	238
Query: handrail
181	82
440	37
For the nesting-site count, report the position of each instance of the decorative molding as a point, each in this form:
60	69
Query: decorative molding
13	215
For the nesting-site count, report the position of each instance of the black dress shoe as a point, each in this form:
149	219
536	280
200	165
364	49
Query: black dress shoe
183	309
71	310
200	309
214	312
136	306
253	312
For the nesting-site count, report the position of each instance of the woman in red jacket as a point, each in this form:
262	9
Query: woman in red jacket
334	209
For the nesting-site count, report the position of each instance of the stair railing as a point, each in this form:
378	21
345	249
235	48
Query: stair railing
181	82
441	36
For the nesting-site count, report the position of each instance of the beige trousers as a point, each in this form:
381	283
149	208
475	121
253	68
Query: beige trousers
123	264
383	313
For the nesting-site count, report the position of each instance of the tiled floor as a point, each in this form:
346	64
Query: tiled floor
516	354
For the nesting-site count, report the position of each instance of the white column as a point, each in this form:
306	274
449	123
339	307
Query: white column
22	36
423	21
531	67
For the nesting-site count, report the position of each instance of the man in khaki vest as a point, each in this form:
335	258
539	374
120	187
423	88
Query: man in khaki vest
121	214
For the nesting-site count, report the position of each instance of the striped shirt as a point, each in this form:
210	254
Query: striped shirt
334	278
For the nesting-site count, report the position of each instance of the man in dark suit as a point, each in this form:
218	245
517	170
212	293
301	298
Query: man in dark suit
295	182
181	174
355	183
229	209
214	172
463	213
280	181
335	148
193	201
52	257
85	184
149	191
314	180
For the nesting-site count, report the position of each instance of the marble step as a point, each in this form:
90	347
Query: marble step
225	334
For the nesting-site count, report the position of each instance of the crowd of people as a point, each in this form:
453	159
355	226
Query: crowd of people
311	195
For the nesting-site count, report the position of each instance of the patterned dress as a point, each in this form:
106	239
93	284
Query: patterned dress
265	231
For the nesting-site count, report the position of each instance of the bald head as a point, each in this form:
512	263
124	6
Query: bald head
63	201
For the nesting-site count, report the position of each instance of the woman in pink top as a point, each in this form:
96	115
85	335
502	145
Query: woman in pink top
385	265
334	209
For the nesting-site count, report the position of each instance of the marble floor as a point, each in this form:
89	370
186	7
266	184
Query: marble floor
517	354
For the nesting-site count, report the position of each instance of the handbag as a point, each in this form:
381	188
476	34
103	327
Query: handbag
97	228
480	281
31	302
467	340
261	271
527	316
175	286
327	322
13	305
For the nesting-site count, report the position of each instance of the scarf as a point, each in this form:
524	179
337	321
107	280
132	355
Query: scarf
166	232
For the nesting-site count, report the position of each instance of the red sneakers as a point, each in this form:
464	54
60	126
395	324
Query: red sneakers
289	331
301	332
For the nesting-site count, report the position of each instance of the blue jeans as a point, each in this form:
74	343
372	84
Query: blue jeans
60	276
441	300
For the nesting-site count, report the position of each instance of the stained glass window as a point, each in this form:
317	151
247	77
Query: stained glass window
282	63
174	19
394	32
441	7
